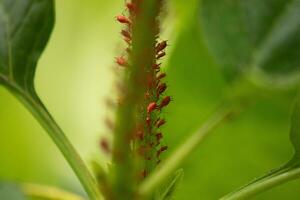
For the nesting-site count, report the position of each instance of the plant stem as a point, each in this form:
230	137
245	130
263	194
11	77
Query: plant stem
129	165
263	185
39	111
180	154
47	192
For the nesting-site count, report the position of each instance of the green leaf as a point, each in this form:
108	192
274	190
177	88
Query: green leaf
25	28
289	171
11	191
295	130
257	38
169	191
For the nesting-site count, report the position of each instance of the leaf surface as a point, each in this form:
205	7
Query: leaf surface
11	191
26	26
257	38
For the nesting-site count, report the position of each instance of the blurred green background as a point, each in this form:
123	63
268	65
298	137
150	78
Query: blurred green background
75	76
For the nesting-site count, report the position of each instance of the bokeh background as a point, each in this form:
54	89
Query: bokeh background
75	76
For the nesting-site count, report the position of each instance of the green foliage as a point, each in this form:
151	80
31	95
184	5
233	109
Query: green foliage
9	191
256	39
289	171
259	39
27	26
169	191
25	30
295	130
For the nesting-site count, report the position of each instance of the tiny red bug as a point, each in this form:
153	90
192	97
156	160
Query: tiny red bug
162	149
128	50
121	61
151	107
161	46
127	40
160	123
160	76
158	136
156	66
160	55
166	100
126	34
122	19
104	145
130	6
161	88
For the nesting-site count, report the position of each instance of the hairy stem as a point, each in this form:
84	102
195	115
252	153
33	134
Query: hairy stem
39	111
177	158
47	192
129	166
264	185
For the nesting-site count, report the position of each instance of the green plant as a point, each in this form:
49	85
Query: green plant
255	42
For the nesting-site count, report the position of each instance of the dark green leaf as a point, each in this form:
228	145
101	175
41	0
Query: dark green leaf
258	38
25	27
9	191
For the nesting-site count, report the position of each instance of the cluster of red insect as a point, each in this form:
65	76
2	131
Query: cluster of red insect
148	136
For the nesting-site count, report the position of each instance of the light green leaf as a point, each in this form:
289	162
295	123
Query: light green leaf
258	38
289	171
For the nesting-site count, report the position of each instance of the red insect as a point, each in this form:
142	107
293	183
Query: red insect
127	40
126	34
160	55
158	136
161	88
166	100
160	123
156	66
161	76
161	46
122	19
151	107
130	6
121	61
104	145
162	149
